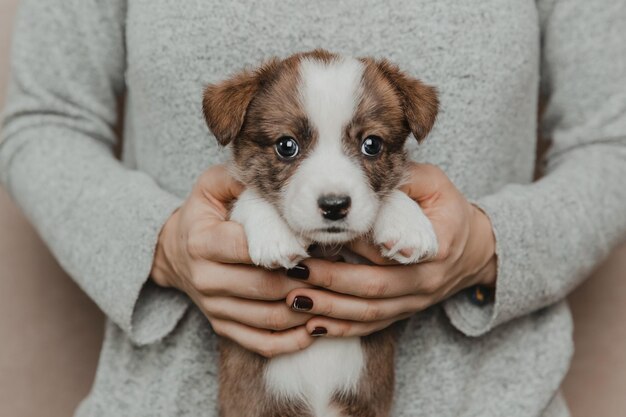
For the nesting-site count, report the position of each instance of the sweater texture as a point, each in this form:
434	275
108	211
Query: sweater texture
490	60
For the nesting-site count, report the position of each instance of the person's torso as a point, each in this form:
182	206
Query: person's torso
484	59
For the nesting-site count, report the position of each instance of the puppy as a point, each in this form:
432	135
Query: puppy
318	140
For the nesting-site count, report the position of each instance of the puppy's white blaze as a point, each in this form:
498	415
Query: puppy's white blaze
316	373
330	93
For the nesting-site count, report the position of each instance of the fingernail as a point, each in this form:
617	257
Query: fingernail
319	331
302	303
298	272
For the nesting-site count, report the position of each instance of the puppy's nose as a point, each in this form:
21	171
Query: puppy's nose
334	207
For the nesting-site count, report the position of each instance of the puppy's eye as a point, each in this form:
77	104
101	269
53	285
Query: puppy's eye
371	146
287	147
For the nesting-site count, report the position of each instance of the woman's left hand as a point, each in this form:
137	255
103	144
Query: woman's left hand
356	300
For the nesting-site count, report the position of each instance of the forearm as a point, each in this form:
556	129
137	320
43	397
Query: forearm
100	219
550	234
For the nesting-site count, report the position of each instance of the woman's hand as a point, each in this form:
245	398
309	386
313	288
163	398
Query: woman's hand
365	299
202	254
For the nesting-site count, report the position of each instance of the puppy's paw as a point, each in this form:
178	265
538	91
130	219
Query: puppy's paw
275	248
271	243
403	231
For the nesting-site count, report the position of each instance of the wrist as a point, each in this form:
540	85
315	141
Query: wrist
483	241
162	270
487	276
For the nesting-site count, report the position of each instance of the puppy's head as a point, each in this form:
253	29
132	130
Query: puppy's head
321	136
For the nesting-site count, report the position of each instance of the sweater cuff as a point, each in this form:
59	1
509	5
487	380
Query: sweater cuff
148	313
157	312
473	318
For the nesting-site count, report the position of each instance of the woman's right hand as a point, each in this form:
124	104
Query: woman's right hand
206	256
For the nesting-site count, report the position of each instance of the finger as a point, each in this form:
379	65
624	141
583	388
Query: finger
264	342
328	327
218	185
223	241
243	281
369	251
339	306
258	314
374	281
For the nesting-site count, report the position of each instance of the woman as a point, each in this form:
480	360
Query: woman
154	252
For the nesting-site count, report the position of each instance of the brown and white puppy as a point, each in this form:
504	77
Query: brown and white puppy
318	140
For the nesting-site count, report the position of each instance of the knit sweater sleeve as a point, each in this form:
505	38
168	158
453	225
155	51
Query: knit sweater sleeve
551	233
100	219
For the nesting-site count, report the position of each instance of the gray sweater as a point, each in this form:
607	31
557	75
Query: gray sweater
73	59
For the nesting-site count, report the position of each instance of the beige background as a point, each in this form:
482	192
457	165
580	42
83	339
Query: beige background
50	332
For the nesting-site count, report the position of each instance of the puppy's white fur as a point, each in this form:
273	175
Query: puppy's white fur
313	375
330	93
271	242
402	222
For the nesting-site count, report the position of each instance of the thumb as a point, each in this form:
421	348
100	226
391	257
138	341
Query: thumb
219	185
424	182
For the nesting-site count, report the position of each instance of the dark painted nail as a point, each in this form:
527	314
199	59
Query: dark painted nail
302	303
319	331
298	272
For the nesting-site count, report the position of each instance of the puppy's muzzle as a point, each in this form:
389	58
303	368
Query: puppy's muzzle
334	207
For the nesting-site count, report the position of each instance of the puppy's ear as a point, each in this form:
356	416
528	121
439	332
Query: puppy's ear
225	104
420	102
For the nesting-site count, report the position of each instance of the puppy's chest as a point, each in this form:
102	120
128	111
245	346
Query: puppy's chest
315	375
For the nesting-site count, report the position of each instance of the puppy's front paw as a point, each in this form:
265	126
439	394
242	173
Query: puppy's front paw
271	243
403	231
275	248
